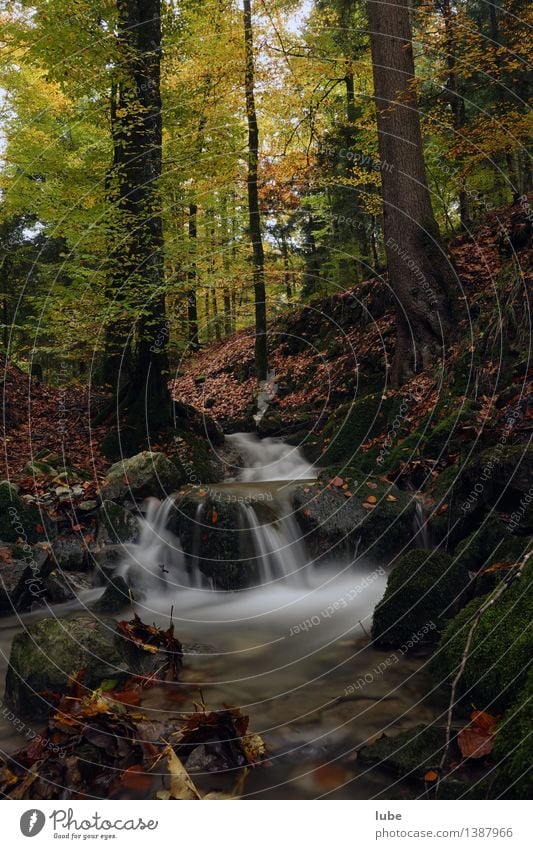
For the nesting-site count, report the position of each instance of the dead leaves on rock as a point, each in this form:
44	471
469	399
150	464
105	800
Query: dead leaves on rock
150	638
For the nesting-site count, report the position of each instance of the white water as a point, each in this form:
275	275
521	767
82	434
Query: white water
269	459
290	587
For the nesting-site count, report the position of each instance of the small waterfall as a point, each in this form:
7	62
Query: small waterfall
157	560
421	535
280	552
269	459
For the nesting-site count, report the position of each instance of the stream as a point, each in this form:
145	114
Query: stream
291	651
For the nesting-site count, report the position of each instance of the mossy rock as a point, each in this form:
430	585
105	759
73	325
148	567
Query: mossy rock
354	424
47	652
500	650
497	477
214	539
423	590
149	473
50	652
196	460
513	747
335	524
17	519
38	468
408	754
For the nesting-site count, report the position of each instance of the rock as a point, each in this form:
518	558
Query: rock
86	506
38	468
47	652
115	597
65	586
423	590
18	520
411	753
107	559
513	747
150	473
335	524
211	534
199	463
70	553
23	573
500	651
193	420
116	524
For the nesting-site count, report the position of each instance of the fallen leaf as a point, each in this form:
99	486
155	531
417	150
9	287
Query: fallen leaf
181	783
431	775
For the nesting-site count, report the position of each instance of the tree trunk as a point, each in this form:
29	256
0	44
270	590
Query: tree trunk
145	406
261	359
192	306
420	272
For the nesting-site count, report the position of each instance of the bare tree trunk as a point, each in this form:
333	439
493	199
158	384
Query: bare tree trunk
261	357
145	404
420	272
192	307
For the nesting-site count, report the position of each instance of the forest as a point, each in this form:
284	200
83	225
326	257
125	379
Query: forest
266	491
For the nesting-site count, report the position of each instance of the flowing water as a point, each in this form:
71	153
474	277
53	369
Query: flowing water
292	650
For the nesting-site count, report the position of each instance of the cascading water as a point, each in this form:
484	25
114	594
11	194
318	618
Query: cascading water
245	524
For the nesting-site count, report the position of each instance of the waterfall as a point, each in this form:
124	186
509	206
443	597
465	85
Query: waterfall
269	459
157	560
421	536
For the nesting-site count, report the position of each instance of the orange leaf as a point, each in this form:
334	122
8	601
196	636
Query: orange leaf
431	775
214	517
372	499
337	481
474	744
135	778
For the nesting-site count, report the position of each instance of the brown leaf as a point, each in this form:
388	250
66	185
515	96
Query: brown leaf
181	784
431	775
473	743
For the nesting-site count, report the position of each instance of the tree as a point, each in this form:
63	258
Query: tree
420	272
144	402
258	256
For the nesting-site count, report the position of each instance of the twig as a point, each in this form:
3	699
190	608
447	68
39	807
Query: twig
494	596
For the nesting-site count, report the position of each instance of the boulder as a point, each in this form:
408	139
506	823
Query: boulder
116	596
407	754
70	552
500	651
49	652
23	573
213	537
513	747
150	473
336	522
424	590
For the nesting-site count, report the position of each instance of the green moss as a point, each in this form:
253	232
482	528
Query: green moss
410	753
354	424
17	519
513	748
500	649
423	590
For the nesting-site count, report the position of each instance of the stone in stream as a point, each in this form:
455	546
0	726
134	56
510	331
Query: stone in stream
115	597
49	652
424	590
335	523
116	524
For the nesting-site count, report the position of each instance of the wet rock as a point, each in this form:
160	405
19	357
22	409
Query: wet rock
191	419
115	597
64	586
150	473
214	539
107	559
23	573
47	652
50	652
338	524
70	553
424	590
116	524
